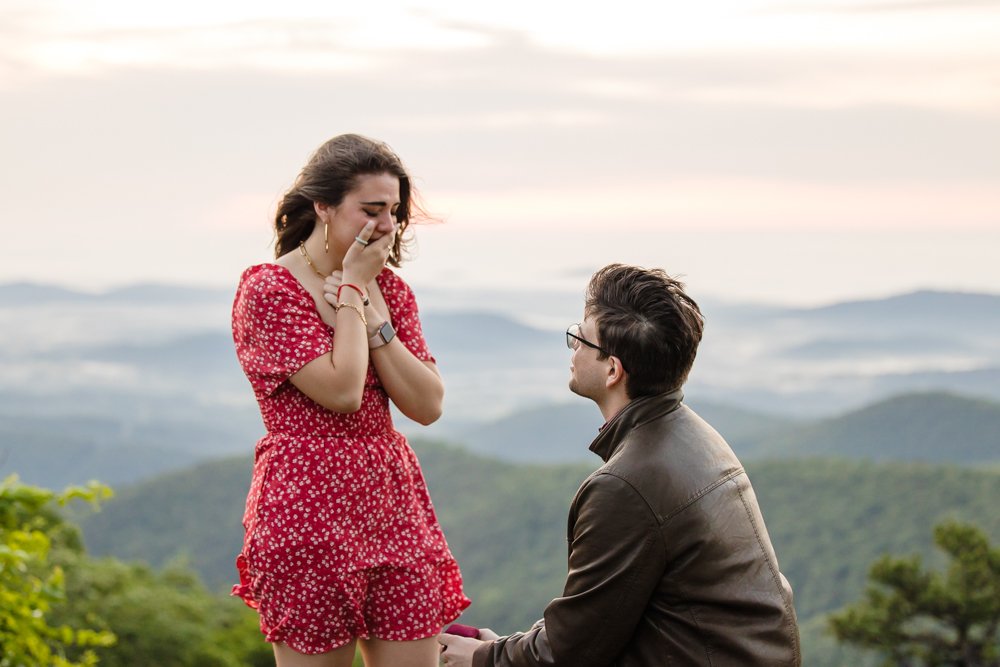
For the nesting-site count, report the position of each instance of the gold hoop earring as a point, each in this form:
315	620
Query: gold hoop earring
326	235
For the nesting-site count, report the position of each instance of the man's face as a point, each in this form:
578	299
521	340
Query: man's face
587	373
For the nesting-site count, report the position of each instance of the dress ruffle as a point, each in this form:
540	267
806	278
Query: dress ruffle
430	595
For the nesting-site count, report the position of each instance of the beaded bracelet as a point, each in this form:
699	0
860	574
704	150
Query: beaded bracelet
356	309
364	297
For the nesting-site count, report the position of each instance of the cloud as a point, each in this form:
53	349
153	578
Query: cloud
949	6
183	158
509	115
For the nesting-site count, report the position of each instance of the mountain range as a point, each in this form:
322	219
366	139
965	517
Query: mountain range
861	423
927	427
828	520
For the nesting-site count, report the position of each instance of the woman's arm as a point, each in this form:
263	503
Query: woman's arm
337	380
413	385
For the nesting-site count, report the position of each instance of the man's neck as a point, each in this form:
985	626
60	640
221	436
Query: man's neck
612	404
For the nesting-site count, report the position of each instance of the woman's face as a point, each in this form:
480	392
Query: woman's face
375	197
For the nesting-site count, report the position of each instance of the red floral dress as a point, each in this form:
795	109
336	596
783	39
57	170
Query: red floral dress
341	537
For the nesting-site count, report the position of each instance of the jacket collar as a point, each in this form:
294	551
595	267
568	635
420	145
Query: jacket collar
637	412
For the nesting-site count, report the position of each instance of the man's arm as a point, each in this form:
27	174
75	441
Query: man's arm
616	561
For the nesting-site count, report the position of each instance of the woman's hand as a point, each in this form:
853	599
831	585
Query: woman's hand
376	312
363	262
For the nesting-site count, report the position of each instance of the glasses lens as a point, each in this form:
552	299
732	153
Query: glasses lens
571	342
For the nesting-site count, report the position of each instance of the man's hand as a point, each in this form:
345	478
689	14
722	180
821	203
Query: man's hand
457	651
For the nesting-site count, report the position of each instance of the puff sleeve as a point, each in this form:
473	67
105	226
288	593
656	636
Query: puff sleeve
276	327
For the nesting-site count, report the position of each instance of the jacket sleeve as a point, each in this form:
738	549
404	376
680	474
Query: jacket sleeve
616	560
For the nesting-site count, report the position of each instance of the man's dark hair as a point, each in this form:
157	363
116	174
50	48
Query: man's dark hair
645	319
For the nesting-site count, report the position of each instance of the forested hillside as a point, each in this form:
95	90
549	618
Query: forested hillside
54	451
506	523
930	427
562	432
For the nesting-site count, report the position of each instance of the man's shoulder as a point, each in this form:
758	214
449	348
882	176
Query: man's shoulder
673	459
670	440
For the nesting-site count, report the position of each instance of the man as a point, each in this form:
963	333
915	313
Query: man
669	559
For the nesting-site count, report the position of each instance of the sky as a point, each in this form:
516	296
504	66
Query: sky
794	152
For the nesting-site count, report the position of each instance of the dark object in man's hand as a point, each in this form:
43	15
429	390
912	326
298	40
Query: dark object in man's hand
462	630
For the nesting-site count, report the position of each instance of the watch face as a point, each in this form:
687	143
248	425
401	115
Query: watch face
387	332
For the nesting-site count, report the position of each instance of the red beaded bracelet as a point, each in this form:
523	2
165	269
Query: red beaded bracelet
364	297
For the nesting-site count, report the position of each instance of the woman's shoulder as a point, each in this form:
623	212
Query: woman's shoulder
262	283
264	277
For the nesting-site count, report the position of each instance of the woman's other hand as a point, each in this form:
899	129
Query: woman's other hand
376	312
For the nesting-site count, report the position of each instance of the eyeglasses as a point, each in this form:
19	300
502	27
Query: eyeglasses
573	340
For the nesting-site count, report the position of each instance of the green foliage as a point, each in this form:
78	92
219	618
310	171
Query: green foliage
915	616
30	585
194	514
821	649
830	520
60	608
162	618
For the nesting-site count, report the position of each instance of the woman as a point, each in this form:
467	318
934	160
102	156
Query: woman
342	545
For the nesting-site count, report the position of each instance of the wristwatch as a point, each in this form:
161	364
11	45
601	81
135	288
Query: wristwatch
383	335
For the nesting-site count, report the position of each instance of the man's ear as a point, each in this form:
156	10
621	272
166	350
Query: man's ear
616	374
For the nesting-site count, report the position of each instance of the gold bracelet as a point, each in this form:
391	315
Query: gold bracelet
356	309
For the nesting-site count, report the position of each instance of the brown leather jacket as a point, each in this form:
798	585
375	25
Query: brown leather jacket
669	559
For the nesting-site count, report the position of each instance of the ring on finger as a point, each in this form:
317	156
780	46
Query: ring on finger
361	240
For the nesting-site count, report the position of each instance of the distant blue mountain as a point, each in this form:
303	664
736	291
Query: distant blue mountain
199	353
873	346
922	308
55	451
26	294
23	294
482	332
158	293
984	382
563	432
503	351
919	304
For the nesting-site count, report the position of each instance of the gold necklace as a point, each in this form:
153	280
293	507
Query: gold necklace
302	249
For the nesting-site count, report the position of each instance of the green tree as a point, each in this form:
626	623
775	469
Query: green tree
165	618
30	585
61	608
914	616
